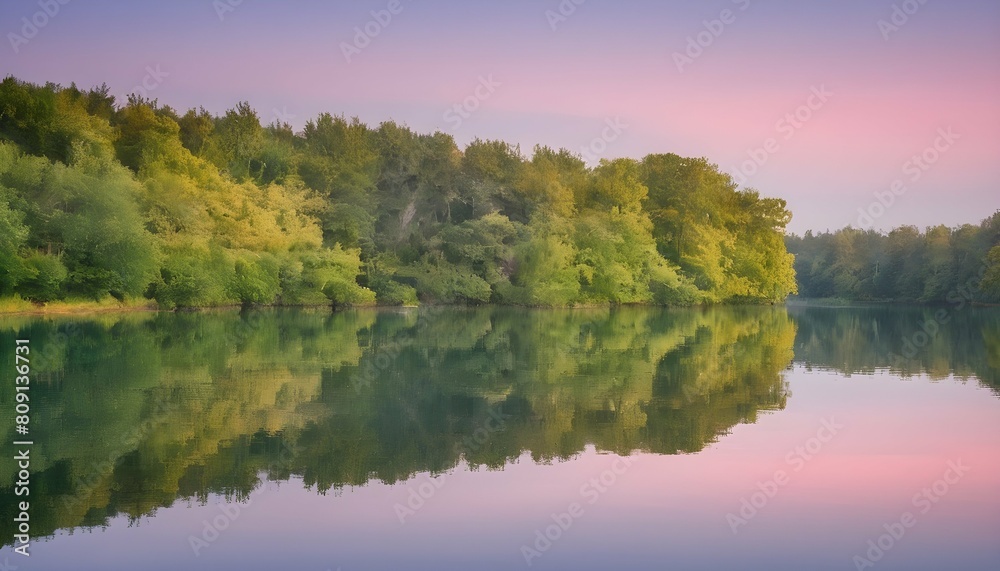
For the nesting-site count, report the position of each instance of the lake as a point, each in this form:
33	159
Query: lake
795	437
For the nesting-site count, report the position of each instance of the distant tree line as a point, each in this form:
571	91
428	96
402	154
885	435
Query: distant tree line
941	264
136	200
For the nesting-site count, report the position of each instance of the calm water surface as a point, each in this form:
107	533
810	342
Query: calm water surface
728	438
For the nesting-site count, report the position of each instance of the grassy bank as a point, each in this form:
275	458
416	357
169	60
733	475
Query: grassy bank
18	306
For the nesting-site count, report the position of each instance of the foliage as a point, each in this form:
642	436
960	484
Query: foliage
135	200
939	265
44	277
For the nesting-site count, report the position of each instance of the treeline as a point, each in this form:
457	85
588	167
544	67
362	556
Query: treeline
140	201
941	264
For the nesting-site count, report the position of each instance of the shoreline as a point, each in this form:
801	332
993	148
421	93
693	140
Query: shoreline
88	308
104	307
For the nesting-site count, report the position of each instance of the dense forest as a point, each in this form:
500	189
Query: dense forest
941	264
136	201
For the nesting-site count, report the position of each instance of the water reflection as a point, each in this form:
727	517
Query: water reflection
938	341
132	413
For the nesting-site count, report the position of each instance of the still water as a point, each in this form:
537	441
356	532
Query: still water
780	438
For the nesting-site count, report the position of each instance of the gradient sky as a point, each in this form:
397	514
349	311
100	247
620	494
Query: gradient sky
606	60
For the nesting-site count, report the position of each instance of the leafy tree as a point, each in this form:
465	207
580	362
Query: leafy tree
547	274
617	184
937	266
104	199
990	283
196	130
43	278
549	181
194	277
13	236
334	272
240	138
490	171
255	279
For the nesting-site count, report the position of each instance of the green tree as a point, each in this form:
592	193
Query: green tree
13	237
240	138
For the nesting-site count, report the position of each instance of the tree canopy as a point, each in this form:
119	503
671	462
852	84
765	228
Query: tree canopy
135	200
938	265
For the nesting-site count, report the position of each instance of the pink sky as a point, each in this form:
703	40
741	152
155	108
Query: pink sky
605	60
